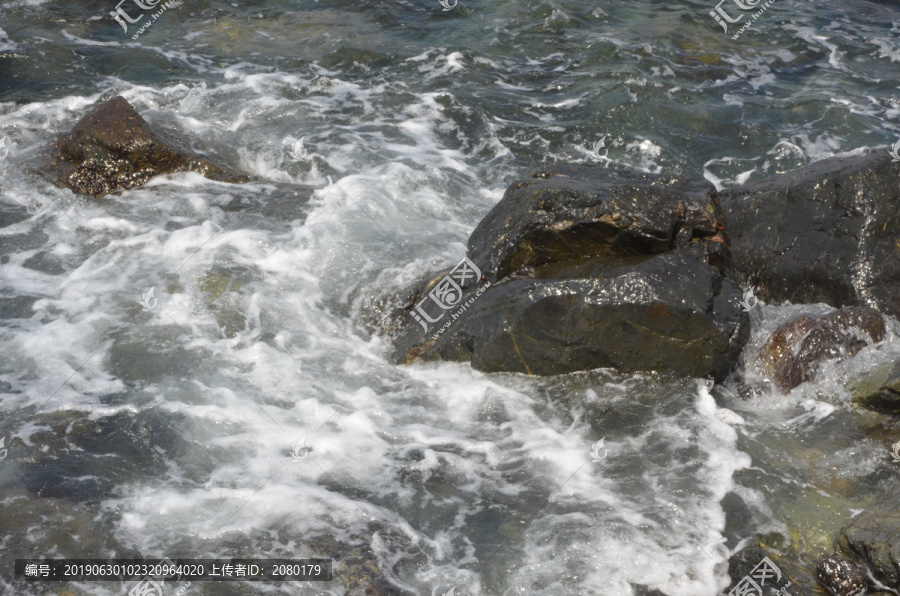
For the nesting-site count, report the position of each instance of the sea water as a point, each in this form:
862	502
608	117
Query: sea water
193	369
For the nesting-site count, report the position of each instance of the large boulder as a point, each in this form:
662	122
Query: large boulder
873	538
566	214
113	148
827	233
582	267
792	352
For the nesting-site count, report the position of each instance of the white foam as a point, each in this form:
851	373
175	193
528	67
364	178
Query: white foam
6	44
401	186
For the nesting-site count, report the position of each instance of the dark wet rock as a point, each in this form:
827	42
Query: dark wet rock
642	590
782	570
12	214
881	390
743	561
360	573
841	577
346	57
220	292
74	529
17	307
277	202
13	243
84	459
798	345
579	215
873	538
45	262
826	233
583	267
113	148
160	351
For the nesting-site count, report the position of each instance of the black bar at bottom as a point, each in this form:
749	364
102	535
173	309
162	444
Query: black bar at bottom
173	570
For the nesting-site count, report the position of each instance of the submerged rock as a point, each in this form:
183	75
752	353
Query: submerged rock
113	148
841	577
358	563
221	294
873	537
880	391
826	233
797	346
84	459
583	267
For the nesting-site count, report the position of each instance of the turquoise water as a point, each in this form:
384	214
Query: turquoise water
170	431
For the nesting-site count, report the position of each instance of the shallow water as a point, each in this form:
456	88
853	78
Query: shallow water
167	429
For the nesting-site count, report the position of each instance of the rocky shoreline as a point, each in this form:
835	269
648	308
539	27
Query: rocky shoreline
580	267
